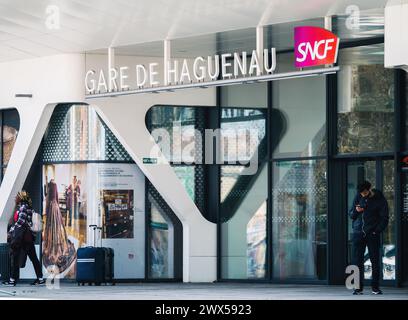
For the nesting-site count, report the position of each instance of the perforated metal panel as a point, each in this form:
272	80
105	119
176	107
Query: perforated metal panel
80	135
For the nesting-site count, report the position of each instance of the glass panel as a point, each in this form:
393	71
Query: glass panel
404	224
299	220
359	24
299	115
243	134
243	229
357	172
245	95
365	101
406	112
11	126
186	174
173	128
161	244
1	150
389	236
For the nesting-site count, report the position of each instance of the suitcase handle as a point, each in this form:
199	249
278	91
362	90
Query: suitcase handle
95	227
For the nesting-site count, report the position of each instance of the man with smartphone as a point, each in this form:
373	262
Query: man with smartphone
369	213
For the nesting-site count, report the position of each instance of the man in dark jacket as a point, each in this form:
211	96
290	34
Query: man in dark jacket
370	218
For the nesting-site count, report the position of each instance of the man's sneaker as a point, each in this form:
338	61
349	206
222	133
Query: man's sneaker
9	283
357	292
377	291
38	282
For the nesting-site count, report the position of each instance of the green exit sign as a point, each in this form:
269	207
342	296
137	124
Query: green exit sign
149	160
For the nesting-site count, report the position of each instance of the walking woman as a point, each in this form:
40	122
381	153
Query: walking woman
22	240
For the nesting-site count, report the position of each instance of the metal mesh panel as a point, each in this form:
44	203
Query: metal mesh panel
74	135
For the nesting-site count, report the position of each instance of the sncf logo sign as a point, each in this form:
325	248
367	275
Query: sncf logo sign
315	46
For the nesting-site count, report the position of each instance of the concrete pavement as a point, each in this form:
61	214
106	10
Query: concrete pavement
213	291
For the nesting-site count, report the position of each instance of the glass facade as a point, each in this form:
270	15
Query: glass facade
177	130
164	238
242	141
293	215
299	219
389	240
243	133
274	224
366	102
9	127
243	228
161	243
89	179
312	140
299	118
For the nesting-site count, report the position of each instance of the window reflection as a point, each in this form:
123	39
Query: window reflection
174	130
78	134
389	237
243	134
243	228
161	243
299	219
299	122
365	102
9	126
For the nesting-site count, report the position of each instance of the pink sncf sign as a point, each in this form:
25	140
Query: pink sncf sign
315	46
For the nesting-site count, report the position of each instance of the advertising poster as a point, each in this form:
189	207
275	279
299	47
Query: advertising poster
117	204
117	213
107	195
64	216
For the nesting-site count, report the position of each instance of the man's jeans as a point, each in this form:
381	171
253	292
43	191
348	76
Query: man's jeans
373	243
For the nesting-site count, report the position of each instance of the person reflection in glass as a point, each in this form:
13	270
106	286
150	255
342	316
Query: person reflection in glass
58	250
72	194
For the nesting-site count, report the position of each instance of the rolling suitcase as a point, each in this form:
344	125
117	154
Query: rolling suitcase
94	265
90	265
109	272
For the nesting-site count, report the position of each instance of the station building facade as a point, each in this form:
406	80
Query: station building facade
171	216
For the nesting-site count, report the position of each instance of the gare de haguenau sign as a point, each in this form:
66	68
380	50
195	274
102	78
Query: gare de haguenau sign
313	46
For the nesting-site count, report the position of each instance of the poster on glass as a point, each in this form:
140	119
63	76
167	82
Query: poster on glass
64	216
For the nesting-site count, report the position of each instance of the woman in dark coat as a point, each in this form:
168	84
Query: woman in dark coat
22	240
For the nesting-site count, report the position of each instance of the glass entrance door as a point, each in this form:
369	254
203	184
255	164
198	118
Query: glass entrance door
404	225
381	175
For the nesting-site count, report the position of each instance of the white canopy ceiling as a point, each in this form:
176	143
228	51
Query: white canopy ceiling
94	24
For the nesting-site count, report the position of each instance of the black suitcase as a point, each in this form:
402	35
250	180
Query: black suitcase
109	271
5	263
94	265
